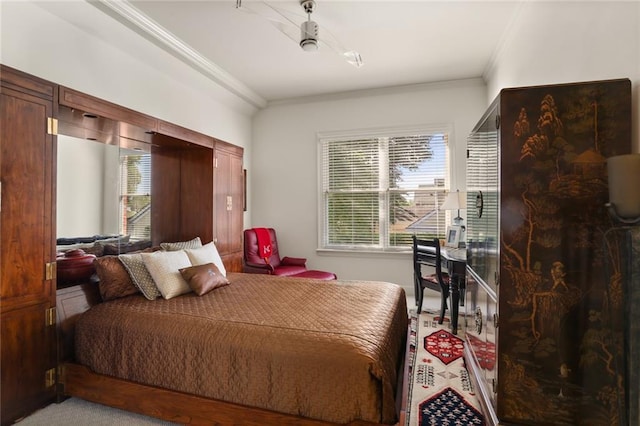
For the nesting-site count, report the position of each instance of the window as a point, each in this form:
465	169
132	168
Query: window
380	188
135	196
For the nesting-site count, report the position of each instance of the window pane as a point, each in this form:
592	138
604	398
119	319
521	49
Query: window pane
353	219
416	161
352	165
379	191
420	214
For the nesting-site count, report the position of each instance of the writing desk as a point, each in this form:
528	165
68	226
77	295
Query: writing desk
455	261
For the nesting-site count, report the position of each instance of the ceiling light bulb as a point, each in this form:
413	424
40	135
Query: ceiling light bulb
309	36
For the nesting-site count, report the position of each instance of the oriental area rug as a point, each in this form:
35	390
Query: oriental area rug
440	390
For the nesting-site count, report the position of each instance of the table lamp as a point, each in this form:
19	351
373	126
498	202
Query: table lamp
455	201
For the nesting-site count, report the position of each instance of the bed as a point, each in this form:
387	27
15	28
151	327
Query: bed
262	350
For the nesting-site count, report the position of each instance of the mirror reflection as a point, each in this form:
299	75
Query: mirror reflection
103	201
87	188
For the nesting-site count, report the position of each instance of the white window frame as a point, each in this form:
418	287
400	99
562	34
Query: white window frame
384	247
122	219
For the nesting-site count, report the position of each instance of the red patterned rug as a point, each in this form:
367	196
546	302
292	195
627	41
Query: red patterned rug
440	389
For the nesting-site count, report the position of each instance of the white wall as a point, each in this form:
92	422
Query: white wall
562	42
284	173
81	176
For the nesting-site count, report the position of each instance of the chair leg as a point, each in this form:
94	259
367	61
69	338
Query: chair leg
443	308
420	297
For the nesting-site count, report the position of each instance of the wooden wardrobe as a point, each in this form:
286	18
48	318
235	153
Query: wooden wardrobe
197	190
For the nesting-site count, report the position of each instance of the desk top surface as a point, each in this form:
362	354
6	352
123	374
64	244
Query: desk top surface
449	253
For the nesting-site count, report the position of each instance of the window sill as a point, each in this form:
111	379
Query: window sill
395	254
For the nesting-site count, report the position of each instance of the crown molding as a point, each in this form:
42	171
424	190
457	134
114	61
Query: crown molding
127	14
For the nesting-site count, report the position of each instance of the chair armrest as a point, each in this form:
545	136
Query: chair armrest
293	261
257	268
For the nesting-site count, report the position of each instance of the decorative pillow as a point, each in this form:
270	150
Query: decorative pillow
139	274
181	245
206	254
203	278
126	247
115	281
164	267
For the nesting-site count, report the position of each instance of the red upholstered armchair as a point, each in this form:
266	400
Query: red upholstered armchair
255	263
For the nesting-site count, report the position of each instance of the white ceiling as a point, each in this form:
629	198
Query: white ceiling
401	42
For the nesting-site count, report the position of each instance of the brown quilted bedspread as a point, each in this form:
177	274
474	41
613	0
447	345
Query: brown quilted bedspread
318	349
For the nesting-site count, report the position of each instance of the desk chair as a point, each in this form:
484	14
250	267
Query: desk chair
427	253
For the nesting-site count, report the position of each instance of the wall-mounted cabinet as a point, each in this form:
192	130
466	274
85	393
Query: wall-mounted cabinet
196	189
194	177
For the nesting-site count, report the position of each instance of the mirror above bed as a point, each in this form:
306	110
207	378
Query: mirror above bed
103	195
189	176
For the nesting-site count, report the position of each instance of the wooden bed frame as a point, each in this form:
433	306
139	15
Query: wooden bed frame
78	381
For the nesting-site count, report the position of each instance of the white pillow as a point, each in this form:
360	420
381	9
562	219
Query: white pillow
208	253
164	267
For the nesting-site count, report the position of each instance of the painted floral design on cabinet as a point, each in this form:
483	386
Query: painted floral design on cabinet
559	354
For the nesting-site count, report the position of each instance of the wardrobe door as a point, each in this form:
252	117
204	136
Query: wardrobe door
229	209
27	266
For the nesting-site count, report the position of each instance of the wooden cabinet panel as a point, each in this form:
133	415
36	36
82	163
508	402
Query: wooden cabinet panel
26	194
229	187
27	353
26	244
196	193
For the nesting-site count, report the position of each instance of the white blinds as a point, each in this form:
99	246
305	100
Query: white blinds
378	191
135	199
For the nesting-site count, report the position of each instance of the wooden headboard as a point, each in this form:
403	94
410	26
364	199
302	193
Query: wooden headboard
70	303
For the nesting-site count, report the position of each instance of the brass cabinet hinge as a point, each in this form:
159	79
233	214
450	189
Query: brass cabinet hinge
215	162
52	126
49	377
50	316
50	271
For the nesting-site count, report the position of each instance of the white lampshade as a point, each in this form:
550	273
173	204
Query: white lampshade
455	201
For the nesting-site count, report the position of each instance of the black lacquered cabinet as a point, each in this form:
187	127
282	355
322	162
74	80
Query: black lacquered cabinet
541	343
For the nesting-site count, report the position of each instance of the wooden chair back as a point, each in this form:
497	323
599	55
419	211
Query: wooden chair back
426	252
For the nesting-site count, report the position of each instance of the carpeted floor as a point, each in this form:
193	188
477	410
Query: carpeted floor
440	390
77	412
